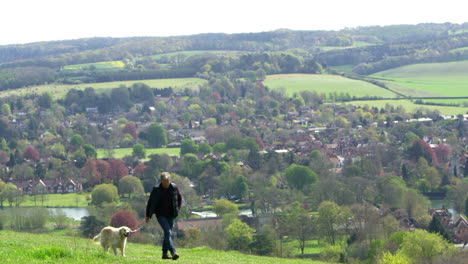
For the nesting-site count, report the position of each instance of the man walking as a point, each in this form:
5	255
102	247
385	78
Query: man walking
165	201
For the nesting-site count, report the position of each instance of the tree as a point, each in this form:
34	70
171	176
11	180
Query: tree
436	227
76	141
264	241
90	226
223	207
139	151
330	217
124	218
298	176
90	174
90	151
420	148
423	247
130	128
239	235
188	146
301	225
31	153
45	100
130	185
104	193
117	170
156	135
389	258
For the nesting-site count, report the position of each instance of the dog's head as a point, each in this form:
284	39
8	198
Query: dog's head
124	231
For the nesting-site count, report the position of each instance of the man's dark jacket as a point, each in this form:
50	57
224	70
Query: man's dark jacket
154	200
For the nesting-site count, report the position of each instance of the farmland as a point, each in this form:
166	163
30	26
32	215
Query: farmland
98	66
410	107
122	152
59	90
429	79
324	84
189	53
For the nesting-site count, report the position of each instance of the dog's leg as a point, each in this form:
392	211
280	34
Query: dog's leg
115	250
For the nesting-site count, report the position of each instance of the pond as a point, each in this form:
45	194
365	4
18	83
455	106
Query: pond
439	203
73	212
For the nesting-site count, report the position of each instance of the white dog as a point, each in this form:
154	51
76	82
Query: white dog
113	237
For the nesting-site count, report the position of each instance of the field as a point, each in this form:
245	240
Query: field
122	152
411	107
428	79
189	53
18	247
58	200
324	84
98	66
59	90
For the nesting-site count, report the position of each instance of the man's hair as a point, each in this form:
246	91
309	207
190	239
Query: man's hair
165	176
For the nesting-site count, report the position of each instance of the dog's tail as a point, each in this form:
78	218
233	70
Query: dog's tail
97	238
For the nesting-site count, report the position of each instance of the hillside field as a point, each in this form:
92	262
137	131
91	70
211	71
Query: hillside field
410	107
99	66
189	53
18	247
60	90
324	84
429	79
122	152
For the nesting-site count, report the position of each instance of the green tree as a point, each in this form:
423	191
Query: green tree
298	176
76	141
139	151
156	135
130	185
423	247
436	227
90	151
330	217
104	193
264	241
389	258
222	207
45	100
239	235
188	146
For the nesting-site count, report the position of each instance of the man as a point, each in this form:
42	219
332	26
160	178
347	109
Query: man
165	201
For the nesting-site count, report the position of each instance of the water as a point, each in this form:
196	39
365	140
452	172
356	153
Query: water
75	212
436	203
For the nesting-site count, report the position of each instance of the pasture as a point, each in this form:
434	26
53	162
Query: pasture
122	152
324	84
410	107
189	53
57	200
97	66
60	90
46	248
429	79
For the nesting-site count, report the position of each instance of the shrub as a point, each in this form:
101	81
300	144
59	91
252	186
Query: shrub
124	218
90	226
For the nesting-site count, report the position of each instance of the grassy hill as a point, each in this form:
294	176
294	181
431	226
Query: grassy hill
40	248
428	79
59	90
410	107
324	84
121	152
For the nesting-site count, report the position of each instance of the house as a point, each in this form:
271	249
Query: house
442	214
460	230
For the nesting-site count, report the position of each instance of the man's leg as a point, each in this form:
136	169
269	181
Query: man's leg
166	224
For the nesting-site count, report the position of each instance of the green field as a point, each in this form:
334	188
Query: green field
122	152
58	200
99	66
189	53
428	79
411	107
16	247
324	84
59	90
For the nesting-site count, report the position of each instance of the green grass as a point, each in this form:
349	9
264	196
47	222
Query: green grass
411	107
18	247
60	90
428	79
459	49
324	84
189	53
99	66
122	152
58	200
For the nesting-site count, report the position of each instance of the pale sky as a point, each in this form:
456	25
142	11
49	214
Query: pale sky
24	21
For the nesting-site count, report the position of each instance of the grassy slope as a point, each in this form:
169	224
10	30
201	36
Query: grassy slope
410	107
121	152
39	248
294	83
58	200
428	79
100	66
59	90
189	53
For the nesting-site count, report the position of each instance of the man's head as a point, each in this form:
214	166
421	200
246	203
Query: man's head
165	179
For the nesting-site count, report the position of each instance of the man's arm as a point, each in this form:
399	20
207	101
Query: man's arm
148	205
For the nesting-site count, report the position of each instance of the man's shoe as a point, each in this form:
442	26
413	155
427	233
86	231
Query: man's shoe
165	256
175	256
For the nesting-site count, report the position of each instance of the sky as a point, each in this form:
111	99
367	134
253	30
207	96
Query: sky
25	21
